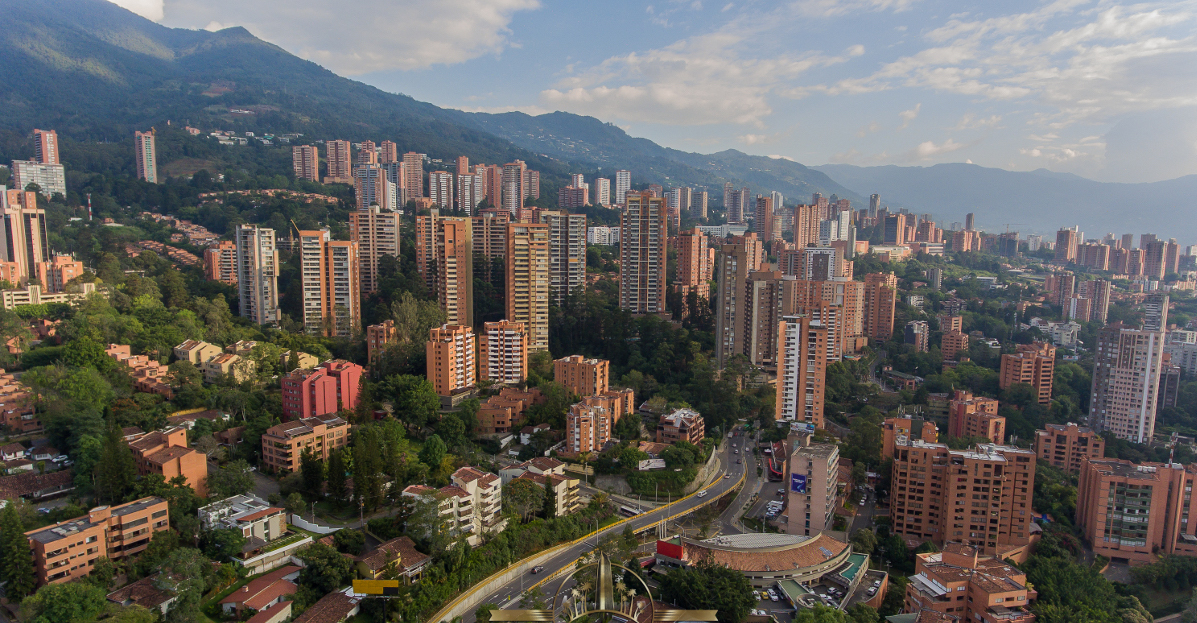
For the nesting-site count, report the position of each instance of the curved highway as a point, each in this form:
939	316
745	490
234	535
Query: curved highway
730	475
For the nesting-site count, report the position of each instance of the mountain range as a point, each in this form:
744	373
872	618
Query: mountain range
95	72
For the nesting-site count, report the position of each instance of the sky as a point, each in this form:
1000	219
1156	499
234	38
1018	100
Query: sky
1104	89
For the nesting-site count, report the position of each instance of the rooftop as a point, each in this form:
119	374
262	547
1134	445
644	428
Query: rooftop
772	552
816	450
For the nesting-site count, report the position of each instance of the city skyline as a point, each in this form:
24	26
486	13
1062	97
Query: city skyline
1089	88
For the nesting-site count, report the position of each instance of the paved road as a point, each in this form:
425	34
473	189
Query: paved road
504	593
729	521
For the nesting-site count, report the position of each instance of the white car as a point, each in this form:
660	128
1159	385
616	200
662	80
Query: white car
872	591
772	595
702	494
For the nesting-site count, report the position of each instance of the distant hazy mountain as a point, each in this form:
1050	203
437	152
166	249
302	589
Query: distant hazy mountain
1041	200
585	139
94	71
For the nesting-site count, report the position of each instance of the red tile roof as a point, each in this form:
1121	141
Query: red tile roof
271	612
263	584
332	608
266	512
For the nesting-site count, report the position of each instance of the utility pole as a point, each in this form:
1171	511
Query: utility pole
361	512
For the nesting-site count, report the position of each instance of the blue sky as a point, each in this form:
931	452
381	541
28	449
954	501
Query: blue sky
1100	88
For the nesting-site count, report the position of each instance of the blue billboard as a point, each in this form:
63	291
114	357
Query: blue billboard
798	483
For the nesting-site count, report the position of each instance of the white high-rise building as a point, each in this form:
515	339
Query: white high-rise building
257	274
567	253
623	184
602	191
440	189
1126	379
50	178
778	201
331	286
801	371
470	192
372	188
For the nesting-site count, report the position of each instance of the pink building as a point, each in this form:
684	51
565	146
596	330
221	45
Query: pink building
328	388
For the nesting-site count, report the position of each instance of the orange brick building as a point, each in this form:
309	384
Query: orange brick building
582	376
898	430
959	582
970	416
981	496
681	425
167	453
68	550
1134	513
1067	445
220	262
1033	364
451	360
16	405
503	413
880	298
377	338
283	444
953	343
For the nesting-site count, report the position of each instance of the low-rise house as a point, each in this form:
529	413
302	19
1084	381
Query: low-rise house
535	465
35	486
393	559
166	453
45	453
188	420
144	593
334	607
196	351
278	613
17	466
527	432
262	592
12	452
228	365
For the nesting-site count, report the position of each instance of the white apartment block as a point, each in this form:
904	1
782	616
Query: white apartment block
51	178
257	274
623	184
601	234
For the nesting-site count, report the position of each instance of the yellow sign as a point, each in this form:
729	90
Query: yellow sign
376	587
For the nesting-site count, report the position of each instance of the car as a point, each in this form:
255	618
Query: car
737	451
764	595
876	583
726	476
58	459
43	510
739	461
872	591
702	494
772	595
537	569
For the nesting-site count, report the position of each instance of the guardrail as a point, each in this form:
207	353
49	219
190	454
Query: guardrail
446	612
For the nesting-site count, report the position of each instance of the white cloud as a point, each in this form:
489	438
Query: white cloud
371	35
701	80
868	129
929	149
149	9
835	8
909	115
971	121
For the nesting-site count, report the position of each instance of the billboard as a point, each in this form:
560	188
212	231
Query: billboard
798	483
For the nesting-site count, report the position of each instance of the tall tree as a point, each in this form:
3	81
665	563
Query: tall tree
708	586
550	499
116	470
433	452
16	567
336	476
367	469
312	469
68	601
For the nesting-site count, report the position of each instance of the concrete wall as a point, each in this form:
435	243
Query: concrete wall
311	527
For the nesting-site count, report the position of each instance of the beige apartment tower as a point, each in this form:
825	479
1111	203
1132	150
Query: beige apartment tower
801	371
528	281
331	286
455	270
45	146
1068	446
305	162
1126	378
376	232
643	254
880	297
145	152
567	253
340	162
